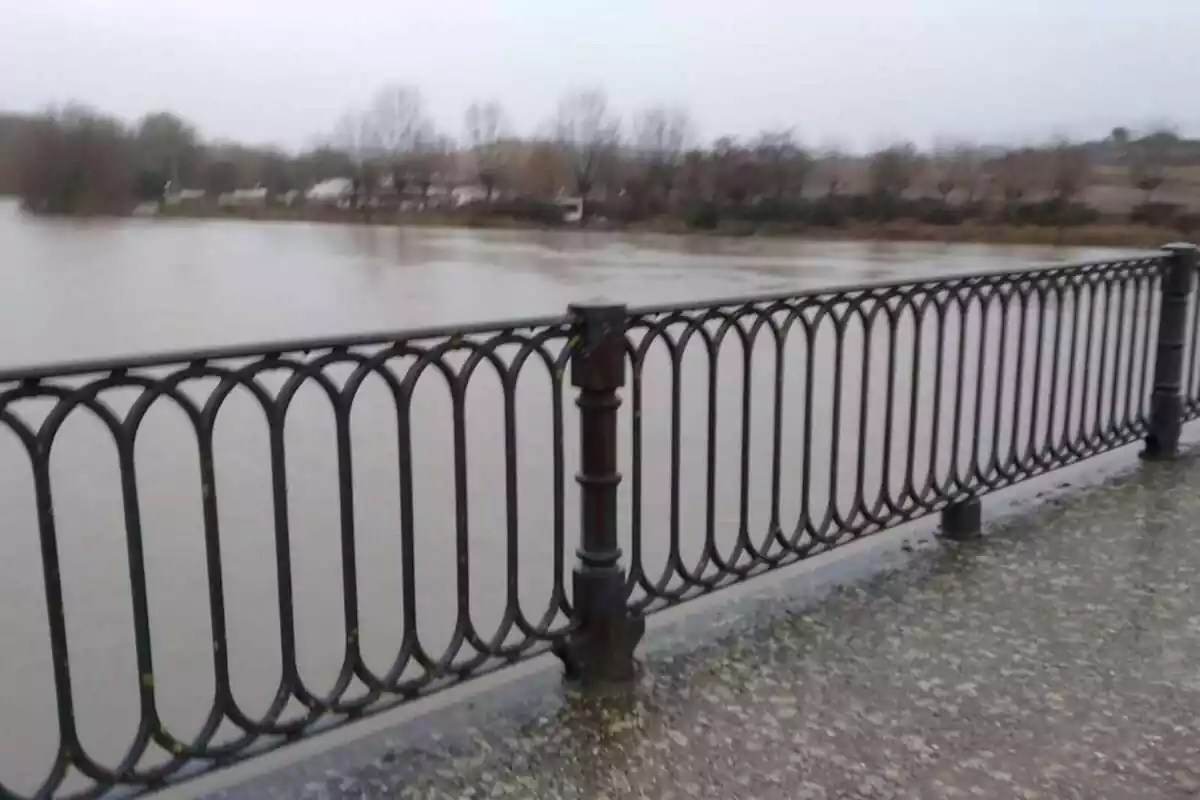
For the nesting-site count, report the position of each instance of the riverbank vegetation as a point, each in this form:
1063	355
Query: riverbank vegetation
386	163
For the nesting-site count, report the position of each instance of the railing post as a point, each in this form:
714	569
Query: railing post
1166	402
601	648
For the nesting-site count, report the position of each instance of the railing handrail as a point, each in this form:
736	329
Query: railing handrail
69	368
888	283
63	369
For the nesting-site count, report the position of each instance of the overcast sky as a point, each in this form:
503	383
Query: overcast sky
855	72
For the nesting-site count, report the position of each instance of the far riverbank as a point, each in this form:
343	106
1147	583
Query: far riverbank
1092	235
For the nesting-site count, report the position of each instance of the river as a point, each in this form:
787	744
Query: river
83	289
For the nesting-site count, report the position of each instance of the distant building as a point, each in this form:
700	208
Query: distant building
466	195
438	196
572	208
335	191
243	197
178	197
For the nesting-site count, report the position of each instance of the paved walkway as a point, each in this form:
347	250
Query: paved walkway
1059	657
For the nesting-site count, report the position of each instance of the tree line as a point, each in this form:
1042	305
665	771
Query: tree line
650	165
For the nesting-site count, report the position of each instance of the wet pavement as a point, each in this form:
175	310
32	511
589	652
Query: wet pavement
1057	657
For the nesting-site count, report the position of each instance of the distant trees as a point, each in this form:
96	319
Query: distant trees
12	133
76	161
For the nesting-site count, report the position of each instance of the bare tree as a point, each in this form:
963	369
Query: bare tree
169	146
1014	173
660	134
832	168
487	127
587	135
956	167
696	176
354	135
430	160
382	137
1070	171
322	163
394	121
275	173
1148	158
893	170
364	184
735	179
542	171
351	135
968	161
785	166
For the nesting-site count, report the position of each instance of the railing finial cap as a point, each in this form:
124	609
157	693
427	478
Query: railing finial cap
1179	247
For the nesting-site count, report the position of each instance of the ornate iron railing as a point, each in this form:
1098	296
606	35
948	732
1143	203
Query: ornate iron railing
1005	377
757	432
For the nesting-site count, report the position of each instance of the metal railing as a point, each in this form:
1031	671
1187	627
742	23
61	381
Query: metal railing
757	432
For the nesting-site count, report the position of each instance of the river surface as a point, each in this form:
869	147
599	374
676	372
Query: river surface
74	290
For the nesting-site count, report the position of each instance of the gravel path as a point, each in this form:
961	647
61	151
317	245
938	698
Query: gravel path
1058	657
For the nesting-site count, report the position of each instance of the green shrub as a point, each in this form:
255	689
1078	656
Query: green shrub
829	212
1155	213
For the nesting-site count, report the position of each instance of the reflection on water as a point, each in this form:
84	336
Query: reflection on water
87	289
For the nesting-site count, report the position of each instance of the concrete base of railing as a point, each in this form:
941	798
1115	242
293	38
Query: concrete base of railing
962	520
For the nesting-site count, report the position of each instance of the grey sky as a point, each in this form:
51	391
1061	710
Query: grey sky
858	72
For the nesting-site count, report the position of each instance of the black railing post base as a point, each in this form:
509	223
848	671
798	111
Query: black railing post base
962	520
1166	399
1166	426
601	650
